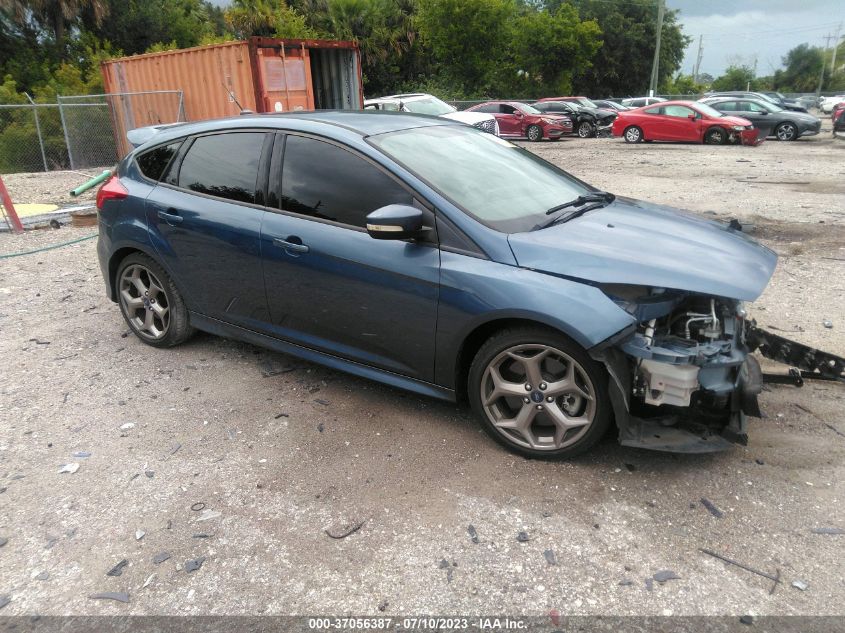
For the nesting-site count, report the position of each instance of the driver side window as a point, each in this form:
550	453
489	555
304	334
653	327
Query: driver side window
506	109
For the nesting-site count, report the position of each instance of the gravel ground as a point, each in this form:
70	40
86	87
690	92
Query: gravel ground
272	462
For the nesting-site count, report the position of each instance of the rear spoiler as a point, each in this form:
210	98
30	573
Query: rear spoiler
141	135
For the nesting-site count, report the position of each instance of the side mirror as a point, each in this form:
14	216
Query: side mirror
766	112
395	222
691	117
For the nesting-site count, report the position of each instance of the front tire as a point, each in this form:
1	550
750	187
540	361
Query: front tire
534	133
586	130
150	303
539	394
715	136
633	134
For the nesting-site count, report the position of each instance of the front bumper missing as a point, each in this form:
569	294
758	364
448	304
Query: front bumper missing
676	433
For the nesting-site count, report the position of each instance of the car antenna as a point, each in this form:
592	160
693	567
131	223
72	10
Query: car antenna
232	96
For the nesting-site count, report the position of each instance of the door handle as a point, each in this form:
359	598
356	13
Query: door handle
291	246
170	218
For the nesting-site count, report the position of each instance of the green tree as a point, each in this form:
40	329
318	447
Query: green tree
803	65
735	78
54	15
468	39
622	66
681	85
550	47
133	26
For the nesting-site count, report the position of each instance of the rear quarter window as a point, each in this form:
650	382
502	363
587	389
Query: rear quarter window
153	162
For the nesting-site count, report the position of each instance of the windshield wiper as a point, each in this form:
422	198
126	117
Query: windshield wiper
597	198
593	196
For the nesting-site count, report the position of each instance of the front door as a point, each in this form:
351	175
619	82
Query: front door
678	124
510	120
332	287
206	228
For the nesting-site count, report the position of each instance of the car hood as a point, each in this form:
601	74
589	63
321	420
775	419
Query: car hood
468	117
637	243
734	120
804	117
599	113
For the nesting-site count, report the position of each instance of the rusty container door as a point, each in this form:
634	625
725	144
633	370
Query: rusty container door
284	78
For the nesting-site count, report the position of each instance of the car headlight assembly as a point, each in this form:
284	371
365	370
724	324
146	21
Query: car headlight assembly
739	128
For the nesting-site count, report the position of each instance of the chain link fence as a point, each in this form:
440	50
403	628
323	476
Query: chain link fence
79	132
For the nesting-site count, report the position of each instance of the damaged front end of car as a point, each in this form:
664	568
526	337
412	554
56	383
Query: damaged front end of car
685	380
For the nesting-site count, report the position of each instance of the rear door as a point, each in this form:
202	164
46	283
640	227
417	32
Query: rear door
205	223
332	287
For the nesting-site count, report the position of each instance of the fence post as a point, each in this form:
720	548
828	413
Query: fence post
64	129
38	130
180	113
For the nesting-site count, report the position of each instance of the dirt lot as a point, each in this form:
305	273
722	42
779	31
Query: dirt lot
271	462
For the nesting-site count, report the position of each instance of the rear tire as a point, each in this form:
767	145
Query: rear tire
150	303
633	134
786	132
534	133
565	413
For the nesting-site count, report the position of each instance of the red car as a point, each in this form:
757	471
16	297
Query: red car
837	110
519	120
689	121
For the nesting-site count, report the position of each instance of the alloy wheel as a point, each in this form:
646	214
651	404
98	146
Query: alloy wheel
786	132
538	397
534	133
585	130
144	301
633	135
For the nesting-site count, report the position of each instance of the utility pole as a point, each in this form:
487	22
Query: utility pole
698	60
824	65
835	48
661	7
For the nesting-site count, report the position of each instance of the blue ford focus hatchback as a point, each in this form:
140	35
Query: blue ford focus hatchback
433	257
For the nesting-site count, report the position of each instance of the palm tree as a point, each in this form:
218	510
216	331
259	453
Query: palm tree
53	15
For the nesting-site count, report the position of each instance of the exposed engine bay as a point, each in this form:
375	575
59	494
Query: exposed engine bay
685	379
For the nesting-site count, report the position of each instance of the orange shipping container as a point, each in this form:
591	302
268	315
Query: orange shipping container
260	74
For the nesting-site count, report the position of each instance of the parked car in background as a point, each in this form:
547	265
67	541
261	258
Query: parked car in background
690	121
639	102
587	121
787	104
433	257
784	125
837	109
607	104
520	120
740	94
839	123
828	103
422	103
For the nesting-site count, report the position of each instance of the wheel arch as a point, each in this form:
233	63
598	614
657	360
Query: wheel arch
475	338
121	253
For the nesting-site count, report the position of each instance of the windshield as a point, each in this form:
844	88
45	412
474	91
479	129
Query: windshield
586	102
771	107
501	185
706	109
529	109
429	105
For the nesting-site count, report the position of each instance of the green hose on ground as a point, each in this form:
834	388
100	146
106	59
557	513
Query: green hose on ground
91	183
49	248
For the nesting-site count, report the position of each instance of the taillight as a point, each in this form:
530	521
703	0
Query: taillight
111	190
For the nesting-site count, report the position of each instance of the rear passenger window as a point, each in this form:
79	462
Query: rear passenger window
324	181
153	163
223	165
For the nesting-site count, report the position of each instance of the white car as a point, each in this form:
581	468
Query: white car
422	103
639	102
827	103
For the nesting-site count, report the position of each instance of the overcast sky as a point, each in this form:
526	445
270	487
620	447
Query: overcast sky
740	30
